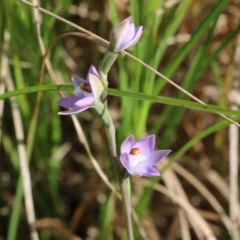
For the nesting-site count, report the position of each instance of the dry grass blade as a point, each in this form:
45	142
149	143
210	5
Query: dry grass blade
205	192
233	146
3	75
220	184
58	229
37	19
83	140
233	156
25	173
174	185
192	213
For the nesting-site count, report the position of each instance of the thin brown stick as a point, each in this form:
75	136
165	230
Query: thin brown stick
22	153
234	145
3	75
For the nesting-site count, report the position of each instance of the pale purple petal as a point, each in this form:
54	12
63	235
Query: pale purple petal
146	171
84	102
127	144
134	40
68	102
117	34
77	80
92	70
96	86
124	160
125	37
155	157
76	83
74	111
152	172
77	104
129	20
146	145
134	159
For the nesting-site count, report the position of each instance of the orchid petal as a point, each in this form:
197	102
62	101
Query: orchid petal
157	156
146	145
84	102
146	171
152	172
92	70
117	33
68	102
96	85
74	111
127	144
134	40
77	80
125	35
124	160
133	160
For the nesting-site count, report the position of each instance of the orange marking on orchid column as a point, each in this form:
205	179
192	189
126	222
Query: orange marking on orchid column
135	151
86	87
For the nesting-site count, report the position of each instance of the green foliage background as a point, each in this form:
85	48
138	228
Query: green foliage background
190	42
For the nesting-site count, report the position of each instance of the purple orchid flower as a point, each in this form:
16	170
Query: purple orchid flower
125	35
88	92
139	157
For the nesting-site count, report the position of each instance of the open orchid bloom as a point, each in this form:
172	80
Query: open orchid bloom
88	92
125	35
139	157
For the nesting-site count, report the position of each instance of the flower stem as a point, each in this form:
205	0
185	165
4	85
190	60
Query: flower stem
123	179
125	186
105	65
124	182
107	62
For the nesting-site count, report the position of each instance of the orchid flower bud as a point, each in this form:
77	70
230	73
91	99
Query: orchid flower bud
124	35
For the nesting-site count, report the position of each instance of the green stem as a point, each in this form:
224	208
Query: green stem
124	183
105	65
125	186
107	62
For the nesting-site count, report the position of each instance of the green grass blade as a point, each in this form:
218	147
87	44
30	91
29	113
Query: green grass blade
118	93
217	10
